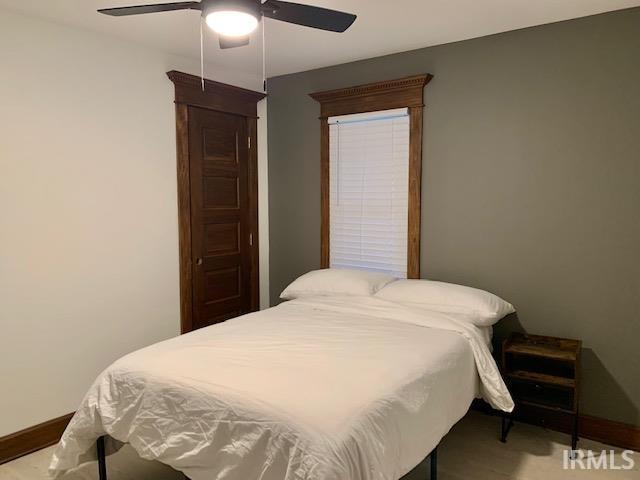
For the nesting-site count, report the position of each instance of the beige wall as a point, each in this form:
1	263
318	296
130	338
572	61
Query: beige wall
88	229
531	182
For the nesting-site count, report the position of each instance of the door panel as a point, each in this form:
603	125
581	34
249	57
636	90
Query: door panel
221	191
222	284
222	238
220	216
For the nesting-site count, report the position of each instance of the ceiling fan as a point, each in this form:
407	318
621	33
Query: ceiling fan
234	20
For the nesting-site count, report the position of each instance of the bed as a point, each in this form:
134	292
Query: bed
317	388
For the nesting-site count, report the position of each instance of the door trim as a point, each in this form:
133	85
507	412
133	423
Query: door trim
223	98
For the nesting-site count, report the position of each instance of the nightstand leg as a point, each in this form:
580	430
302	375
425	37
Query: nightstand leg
574	434
507	423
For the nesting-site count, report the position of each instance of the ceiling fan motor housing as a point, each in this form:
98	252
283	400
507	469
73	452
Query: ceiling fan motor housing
252	7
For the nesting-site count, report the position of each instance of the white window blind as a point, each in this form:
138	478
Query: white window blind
369	181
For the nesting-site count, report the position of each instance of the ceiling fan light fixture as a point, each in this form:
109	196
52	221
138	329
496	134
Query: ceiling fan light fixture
231	23
232	18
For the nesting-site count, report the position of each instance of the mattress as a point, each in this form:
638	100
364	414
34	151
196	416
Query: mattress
348	388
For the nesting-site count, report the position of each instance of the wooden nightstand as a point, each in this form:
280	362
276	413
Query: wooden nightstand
542	372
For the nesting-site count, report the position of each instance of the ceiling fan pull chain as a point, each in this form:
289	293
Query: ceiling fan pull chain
201	55
264	56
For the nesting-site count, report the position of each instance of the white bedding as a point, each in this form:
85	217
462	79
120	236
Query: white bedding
331	388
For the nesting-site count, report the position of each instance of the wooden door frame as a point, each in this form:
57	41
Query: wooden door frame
404	92
223	98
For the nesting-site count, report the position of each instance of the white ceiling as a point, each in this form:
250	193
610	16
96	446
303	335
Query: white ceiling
382	27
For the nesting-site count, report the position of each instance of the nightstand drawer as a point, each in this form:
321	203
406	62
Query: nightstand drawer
543	395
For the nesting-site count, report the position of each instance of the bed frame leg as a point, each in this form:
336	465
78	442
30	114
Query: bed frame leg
102	459
507	423
434	464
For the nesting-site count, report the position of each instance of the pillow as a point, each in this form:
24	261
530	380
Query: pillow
336	281
482	308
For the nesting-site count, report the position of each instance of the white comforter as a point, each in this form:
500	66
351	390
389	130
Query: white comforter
330	388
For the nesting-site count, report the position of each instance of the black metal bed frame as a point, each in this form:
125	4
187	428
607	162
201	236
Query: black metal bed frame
102	461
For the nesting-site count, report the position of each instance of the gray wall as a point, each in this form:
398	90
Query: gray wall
531	182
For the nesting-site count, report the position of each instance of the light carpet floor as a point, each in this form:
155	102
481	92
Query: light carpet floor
470	451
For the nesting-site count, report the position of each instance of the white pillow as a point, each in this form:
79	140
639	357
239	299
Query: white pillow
336	281
482	308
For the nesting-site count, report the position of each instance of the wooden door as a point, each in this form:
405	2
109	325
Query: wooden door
221	233
217	160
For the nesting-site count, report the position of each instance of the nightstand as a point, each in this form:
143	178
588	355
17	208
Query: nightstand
542	372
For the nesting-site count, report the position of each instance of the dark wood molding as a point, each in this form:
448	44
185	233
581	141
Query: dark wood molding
404	92
31	439
324	193
252	131
415	192
215	96
184	218
222	98
594	428
613	433
617	434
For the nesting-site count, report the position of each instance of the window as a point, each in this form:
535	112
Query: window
371	164
369	187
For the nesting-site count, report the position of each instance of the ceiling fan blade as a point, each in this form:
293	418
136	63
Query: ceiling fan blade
156	7
314	17
232	42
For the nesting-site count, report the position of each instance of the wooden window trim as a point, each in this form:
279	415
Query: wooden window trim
404	92
227	99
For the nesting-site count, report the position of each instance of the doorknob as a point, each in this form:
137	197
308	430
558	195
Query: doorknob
198	261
